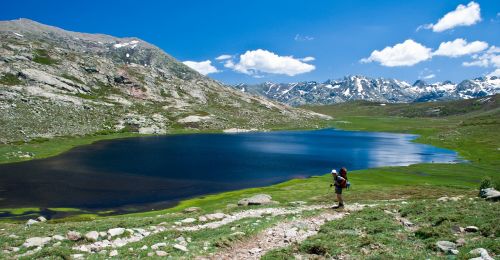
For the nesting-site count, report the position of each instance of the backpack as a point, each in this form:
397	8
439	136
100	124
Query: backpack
343	173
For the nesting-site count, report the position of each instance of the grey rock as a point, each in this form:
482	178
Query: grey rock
116	231
58	237
73	235
161	253
113	253
260	199
490	194
158	245
483	254
92	236
191	209
31	222
41	219
471	229
37	241
446	246
181	248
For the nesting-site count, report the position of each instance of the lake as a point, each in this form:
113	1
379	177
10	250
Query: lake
158	171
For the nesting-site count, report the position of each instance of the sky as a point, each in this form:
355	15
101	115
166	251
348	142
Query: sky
296	40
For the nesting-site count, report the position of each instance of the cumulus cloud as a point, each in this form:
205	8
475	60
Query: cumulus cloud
460	47
308	58
203	67
461	16
224	57
489	58
262	61
407	53
495	73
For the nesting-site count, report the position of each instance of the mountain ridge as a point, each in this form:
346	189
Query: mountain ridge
55	82
358	87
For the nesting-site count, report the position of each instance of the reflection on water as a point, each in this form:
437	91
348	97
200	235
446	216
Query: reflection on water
166	169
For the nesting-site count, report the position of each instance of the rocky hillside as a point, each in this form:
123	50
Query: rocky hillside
58	83
377	90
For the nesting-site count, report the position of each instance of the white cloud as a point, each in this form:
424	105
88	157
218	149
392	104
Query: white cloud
203	67
224	57
461	16
489	58
301	38
308	58
430	76
407	53
460	47
495	73
257	61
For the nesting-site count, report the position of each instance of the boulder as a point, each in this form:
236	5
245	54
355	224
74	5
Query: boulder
483	254
191	209
180	247
471	229
31	222
490	194
92	236
36	241
41	219
260	199
446	246
73	235
116	231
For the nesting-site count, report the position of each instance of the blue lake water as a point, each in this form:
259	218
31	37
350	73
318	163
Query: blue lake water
159	171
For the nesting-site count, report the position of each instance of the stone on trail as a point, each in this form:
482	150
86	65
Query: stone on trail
92	236
161	253
41	219
77	256
259	199
180	247
157	246
144	247
191	209
188	220
113	253
446	246
215	216
36	241
116	231
73	235
58	237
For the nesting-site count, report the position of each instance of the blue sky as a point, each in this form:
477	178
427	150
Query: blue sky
268	40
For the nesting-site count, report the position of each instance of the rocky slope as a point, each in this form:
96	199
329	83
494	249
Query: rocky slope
57	83
378	90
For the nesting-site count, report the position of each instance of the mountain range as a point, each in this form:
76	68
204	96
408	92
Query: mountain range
377	90
55	82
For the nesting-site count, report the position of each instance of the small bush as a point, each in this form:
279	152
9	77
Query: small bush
486	183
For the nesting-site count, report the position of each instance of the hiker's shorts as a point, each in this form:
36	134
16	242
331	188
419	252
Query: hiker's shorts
338	190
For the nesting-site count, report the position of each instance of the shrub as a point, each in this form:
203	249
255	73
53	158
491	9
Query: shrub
10	79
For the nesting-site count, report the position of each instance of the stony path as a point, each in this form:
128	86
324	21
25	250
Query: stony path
280	235
138	234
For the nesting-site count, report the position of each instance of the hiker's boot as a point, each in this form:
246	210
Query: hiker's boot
340	206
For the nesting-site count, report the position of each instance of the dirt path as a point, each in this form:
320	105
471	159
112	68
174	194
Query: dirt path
280	235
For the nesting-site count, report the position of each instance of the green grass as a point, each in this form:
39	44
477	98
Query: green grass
42	57
10	79
374	234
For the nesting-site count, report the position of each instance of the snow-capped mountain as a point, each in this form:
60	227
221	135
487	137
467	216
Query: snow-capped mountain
377	90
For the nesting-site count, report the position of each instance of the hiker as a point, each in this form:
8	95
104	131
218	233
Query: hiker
340	182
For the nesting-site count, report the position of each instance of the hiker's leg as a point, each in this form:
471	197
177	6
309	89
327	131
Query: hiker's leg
341	200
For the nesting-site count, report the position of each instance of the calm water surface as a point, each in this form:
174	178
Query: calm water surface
162	170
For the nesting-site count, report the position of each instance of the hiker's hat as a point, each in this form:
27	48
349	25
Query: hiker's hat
334	171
